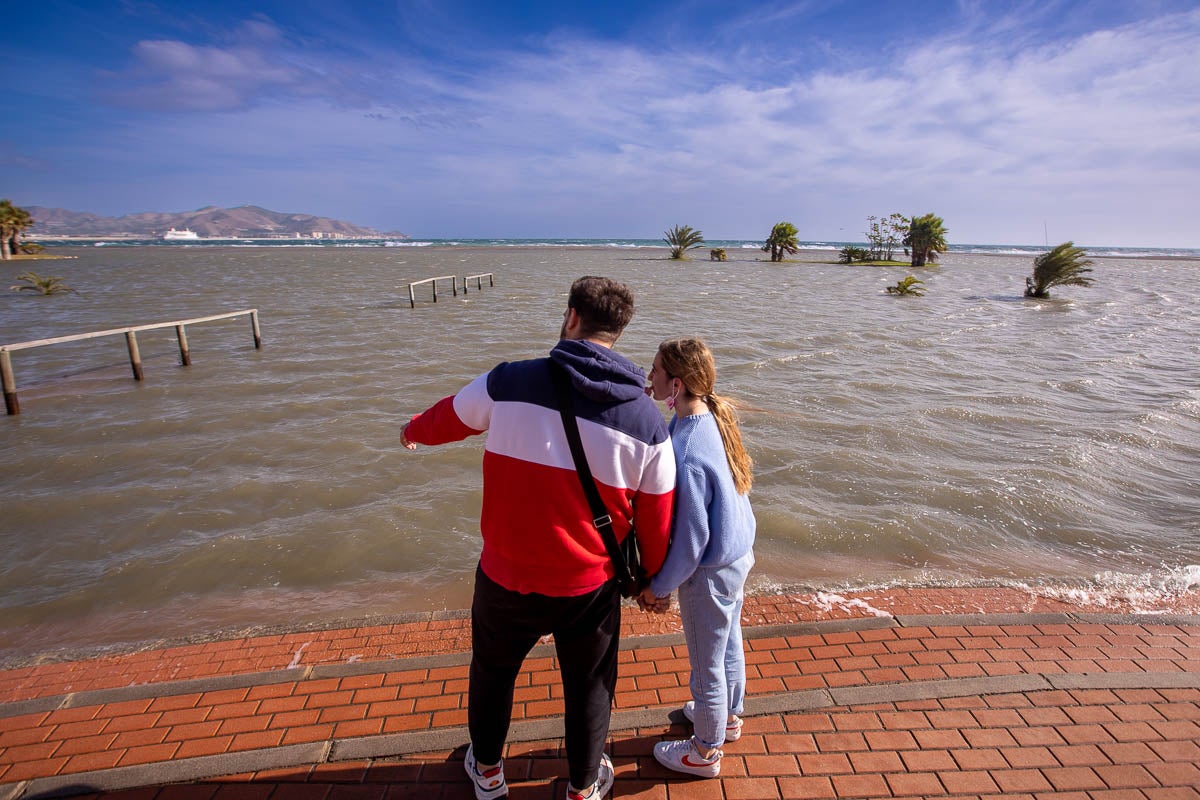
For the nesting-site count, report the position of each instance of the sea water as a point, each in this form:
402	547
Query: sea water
970	436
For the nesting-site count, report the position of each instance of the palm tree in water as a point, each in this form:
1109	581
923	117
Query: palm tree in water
782	240
1065	265
926	238
683	238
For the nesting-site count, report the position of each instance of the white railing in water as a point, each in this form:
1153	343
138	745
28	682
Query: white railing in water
8	379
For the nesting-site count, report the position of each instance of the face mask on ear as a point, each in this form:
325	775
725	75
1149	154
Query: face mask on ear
671	400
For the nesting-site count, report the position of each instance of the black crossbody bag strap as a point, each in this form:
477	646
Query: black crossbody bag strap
600	515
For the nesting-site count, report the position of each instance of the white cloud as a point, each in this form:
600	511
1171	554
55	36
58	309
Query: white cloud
1097	133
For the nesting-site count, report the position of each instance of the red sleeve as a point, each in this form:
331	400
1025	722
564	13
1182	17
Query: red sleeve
652	521
439	424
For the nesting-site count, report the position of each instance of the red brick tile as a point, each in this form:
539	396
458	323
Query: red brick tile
748	789
973	783
243	725
1028	757
1020	780
771	765
928	760
308	733
87	762
939	740
129	739
876	762
921	784
806	788
255	740
1073	778
192	748
860	785
86	744
149	754
790	743
823	764
840	742
1125	776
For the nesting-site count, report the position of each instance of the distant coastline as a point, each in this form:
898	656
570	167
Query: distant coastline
739	246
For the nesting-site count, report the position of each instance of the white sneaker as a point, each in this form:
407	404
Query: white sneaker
682	756
733	728
602	786
489	784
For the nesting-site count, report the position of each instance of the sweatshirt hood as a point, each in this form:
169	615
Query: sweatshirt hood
599	373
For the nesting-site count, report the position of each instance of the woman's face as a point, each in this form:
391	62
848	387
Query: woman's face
660	387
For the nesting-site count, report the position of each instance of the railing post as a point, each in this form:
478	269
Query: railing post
412	298
135	356
10	384
256	330
185	356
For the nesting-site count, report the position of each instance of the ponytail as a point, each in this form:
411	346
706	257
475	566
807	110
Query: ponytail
740	463
692	362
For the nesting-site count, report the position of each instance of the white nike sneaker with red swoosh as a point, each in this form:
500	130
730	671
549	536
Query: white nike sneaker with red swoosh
682	756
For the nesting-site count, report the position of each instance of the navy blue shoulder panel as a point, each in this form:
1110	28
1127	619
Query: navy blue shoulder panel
529	382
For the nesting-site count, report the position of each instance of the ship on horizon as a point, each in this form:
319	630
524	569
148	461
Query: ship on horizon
185	234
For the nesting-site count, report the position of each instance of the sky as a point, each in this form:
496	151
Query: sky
1016	122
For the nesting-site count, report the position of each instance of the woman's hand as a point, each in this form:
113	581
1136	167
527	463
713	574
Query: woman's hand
649	601
404	439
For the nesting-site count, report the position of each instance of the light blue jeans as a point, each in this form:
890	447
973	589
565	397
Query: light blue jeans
710	605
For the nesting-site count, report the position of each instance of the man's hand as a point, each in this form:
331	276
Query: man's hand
404	439
649	601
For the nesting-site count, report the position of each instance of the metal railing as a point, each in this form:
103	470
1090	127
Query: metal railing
13	406
412	297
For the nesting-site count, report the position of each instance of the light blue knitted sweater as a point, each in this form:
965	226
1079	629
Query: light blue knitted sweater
713	525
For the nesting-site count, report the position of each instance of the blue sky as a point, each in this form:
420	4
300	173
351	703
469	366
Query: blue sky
1013	121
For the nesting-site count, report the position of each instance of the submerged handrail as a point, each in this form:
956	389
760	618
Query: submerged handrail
479	280
8	379
412	298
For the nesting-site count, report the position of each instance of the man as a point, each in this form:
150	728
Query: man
544	567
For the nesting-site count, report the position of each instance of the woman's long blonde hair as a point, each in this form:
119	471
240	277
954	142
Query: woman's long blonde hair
692	363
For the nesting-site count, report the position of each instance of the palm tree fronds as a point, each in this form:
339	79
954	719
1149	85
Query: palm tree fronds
682	238
51	284
910	285
1065	265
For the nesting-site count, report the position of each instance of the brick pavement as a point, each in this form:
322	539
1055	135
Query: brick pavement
899	693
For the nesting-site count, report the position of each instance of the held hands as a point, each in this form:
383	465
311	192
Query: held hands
649	601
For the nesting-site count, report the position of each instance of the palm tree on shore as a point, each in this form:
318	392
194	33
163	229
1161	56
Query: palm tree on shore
926	238
1065	265
682	238
13	222
782	240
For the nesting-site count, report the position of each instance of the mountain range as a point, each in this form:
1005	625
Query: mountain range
211	221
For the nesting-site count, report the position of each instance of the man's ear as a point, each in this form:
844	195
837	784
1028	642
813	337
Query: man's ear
571	323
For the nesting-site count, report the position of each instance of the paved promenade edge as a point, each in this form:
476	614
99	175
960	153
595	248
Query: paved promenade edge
357	748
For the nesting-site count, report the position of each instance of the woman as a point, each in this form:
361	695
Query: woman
711	552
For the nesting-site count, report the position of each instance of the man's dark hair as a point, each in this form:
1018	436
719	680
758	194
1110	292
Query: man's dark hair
604	307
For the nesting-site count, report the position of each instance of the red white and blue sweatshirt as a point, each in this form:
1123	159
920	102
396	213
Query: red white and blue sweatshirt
537	527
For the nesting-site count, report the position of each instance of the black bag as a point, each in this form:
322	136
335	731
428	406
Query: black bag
626	557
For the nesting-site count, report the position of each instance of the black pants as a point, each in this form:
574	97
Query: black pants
505	625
